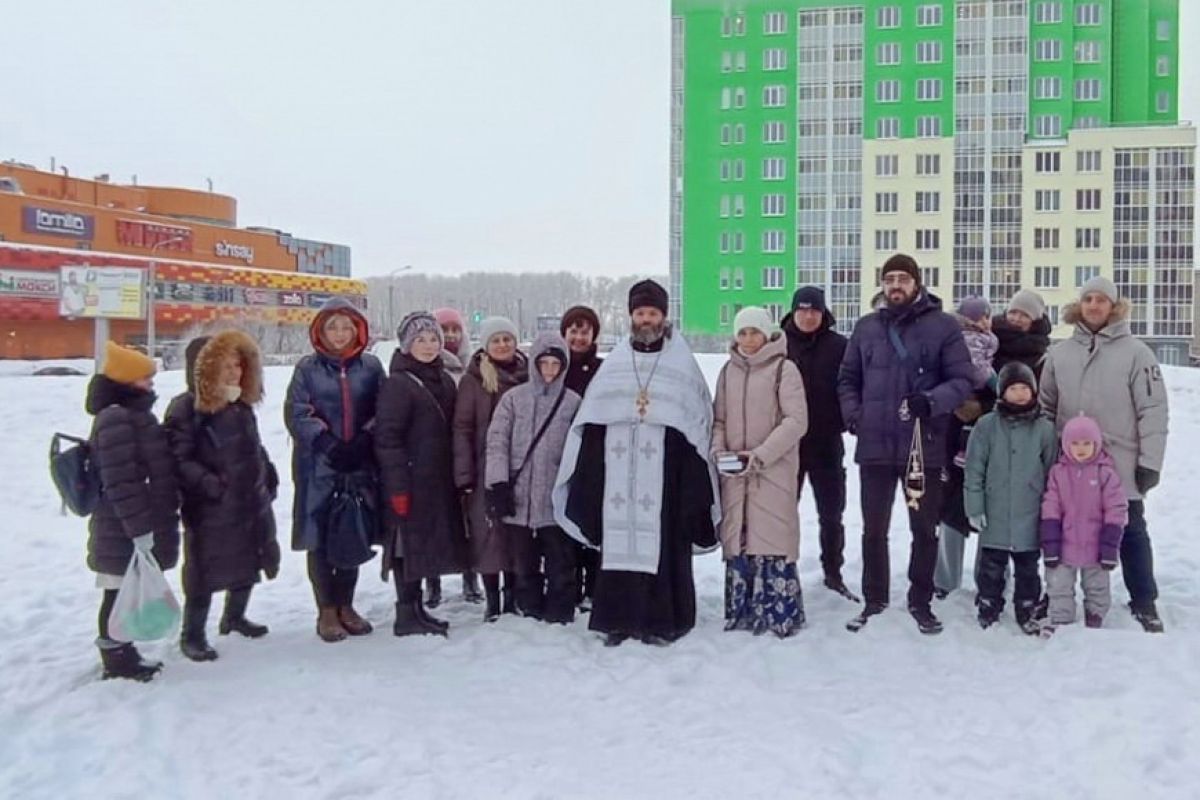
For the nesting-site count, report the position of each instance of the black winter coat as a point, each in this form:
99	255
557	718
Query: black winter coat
873	380
1028	347
414	448
137	475
582	369
819	355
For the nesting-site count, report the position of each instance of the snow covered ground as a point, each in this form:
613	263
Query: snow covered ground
518	709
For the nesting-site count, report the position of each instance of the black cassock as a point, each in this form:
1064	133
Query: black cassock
634	603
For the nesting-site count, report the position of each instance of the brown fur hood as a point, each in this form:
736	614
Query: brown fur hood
1073	316
207	371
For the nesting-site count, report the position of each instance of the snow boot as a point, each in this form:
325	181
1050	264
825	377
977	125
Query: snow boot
470	588
491	612
233	620
834	582
352	622
941	594
433	595
122	660
193	642
927	623
870	610
509	594
329	627
614	639
1042	609
1027	617
429	619
409	623
1093	620
1147	617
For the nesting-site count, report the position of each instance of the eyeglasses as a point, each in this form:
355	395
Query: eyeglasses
898	279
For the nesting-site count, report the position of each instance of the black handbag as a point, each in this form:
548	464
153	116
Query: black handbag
75	474
349	519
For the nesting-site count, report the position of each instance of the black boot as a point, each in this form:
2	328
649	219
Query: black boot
989	612
927	622
491	611
429	619
234	618
433	595
509	594
409	623
471	593
193	641
1147	616
122	660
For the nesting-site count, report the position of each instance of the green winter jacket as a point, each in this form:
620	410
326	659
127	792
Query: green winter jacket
1008	459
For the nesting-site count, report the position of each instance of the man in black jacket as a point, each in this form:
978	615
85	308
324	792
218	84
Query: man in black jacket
817	349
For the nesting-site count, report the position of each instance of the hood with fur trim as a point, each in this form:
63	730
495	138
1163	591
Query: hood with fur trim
1072	313
207	372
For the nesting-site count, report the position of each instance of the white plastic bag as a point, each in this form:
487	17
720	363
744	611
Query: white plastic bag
146	609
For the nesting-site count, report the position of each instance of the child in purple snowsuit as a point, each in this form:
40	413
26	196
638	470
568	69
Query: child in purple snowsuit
1084	513
975	318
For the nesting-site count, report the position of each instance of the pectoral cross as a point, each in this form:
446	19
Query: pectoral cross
643	402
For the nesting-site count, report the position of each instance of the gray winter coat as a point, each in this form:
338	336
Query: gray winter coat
518	418
1115	379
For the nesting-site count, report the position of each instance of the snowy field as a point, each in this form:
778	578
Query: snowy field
519	709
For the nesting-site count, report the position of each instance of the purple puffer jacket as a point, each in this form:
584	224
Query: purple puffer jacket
1084	510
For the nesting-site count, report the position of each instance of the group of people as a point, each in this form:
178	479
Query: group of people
569	483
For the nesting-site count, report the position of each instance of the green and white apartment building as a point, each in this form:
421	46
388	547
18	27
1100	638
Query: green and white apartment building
1003	143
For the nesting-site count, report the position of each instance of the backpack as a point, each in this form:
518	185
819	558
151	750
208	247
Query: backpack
75	474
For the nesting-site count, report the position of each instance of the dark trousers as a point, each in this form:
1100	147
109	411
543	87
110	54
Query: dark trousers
587	568
1137	558
332	587
829	492
236	600
878	493
407	592
1027	585
107	600
550	594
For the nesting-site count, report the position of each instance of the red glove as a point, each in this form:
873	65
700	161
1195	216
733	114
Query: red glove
400	505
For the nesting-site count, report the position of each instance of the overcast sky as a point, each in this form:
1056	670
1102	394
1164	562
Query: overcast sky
493	134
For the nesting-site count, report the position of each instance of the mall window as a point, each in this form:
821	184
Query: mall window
739	280
739	98
724	206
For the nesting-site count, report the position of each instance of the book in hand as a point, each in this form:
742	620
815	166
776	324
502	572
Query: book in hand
731	463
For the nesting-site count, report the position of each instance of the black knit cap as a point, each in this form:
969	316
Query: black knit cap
647	293
809	297
902	263
578	314
1015	372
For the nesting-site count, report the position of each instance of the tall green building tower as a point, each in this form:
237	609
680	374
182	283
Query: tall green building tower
1003	143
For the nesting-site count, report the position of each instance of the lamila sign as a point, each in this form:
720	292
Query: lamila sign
55	222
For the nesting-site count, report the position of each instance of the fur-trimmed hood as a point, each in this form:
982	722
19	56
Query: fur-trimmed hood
1073	315
207	372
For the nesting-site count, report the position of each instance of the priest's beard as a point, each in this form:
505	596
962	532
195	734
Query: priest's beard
648	333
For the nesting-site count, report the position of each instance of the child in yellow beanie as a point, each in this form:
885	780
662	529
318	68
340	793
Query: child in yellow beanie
126	365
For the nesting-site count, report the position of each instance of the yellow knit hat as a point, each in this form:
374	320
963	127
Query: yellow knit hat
125	365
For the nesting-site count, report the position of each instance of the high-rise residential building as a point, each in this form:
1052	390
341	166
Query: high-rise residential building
1003	143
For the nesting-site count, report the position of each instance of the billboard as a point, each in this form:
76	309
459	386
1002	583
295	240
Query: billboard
89	292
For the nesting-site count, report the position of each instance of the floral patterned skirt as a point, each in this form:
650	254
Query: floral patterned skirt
762	593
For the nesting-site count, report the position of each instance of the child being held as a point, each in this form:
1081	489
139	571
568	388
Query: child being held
1084	514
975	318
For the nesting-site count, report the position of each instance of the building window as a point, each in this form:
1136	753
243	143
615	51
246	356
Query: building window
929	89
1163	30
726	134
1045	277
739	205
929	127
887	91
775	310
929	16
739	61
725	319
726	26
1087	199
727	62
1162	66
929	164
1087	161
888	17
774	59
1085	274
724	205
772	277
931	276
774	241
1087	52
1048	50
739	243
887	128
774	133
1091	121
1087	14
739	98
774	23
726	169
739	133
928	238
1087	238
724	282
1087	89
774	169
1047	200
929	202
887	202
887	166
929	52
1048	13
1048	125
887	54
887	240
724	241
739	169
726	99
774	205
1162	102
739	25
1045	238
1047	88
774	96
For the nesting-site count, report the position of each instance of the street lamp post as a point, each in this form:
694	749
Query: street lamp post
392	295
151	294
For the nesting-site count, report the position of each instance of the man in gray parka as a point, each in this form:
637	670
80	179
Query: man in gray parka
1103	371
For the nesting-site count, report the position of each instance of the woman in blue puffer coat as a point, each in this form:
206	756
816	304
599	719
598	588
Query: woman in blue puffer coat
330	413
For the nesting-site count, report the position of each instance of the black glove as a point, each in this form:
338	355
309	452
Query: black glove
1145	479
272	480
919	406
500	500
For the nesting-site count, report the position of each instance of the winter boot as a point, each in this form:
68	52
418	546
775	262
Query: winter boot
122	660
470	588
233	620
834	582
509	594
869	610
989	611
192	640
1147	617
354	624
409	623
1092	620
927	623
433	595
429	619
329	627
941	594
1027	617
491	612
614	639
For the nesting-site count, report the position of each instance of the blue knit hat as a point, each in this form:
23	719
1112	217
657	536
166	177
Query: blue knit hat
414	325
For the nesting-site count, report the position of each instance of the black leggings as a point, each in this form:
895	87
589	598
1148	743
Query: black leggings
332	587
107	601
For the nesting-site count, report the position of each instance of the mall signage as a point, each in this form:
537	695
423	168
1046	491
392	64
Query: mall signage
151	235
53	222
238	251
